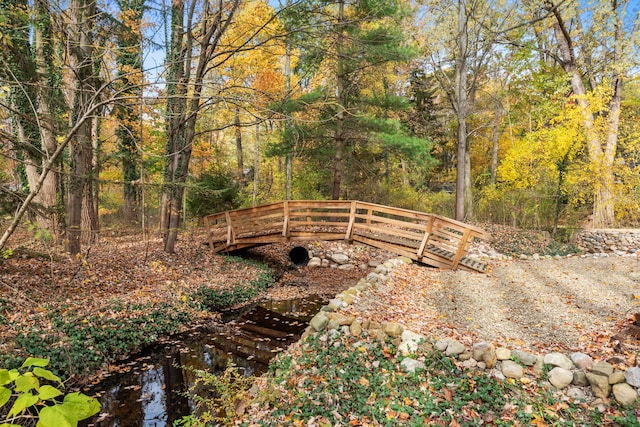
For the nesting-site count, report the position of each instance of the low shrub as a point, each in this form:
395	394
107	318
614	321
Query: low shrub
34	393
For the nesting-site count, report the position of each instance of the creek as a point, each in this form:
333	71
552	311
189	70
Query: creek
149	389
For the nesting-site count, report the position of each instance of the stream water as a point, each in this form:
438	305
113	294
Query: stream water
148	390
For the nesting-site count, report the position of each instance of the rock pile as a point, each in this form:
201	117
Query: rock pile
609	241
339	256
576	375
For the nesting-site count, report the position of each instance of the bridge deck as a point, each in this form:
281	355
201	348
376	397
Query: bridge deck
431	239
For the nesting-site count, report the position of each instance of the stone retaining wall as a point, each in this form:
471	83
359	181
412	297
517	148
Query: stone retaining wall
576	375
605	241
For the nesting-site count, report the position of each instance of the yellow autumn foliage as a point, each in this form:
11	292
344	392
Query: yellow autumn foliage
533	160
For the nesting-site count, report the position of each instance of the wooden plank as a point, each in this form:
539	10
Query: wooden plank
434	260
461	249
393	210
472	265
478	232
316	214
257	221
244	220
388	232
325	204
285	221
352	218
390	221
306	235
327	224
230	233
383	245
256	209
425	240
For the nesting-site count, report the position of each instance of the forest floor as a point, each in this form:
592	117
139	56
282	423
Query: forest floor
52	303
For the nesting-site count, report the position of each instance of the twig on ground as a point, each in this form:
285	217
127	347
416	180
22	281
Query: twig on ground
17	292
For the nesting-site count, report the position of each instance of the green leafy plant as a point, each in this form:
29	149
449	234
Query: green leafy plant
219	299
27	394
77	345
219	397
39	233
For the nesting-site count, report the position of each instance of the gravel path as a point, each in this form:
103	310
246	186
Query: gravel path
572	303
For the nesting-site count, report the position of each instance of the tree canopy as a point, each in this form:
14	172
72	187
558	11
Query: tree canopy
152	114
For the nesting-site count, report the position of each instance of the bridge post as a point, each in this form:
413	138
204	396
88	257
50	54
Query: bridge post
425	239
462	246
231	235
352	219
285	219
209	236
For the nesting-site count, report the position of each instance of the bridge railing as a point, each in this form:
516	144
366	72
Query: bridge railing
428	238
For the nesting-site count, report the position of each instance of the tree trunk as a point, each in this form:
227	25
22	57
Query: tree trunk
495	131
129	59
239	156
175	111
182	116
468	186
81	13
42	38
340	103
288	158
601	153
256	165
461	111
31	97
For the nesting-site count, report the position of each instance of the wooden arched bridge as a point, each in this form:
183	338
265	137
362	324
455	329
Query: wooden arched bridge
430	239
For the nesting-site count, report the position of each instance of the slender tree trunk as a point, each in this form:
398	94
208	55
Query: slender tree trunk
80	59
256	166
32	101
176	92
340	103
239	156
495	132
288	159
183	114
461	111
129	58
90	224
468	184
44	51
601	153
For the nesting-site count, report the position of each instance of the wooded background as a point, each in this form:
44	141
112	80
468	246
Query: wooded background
142	113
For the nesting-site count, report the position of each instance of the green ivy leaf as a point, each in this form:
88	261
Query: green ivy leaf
47	392
35	361
56	416
22	402
5	395
26	383
46	374
82	405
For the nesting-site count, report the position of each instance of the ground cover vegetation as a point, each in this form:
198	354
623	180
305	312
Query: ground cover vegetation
334	378
84	314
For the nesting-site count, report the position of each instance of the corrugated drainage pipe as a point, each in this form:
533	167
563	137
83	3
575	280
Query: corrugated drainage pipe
299	256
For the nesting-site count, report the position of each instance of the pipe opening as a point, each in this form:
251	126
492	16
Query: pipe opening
299	256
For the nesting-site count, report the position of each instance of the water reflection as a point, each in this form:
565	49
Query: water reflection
149	391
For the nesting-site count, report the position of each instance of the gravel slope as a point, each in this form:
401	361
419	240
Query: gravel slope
571	303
